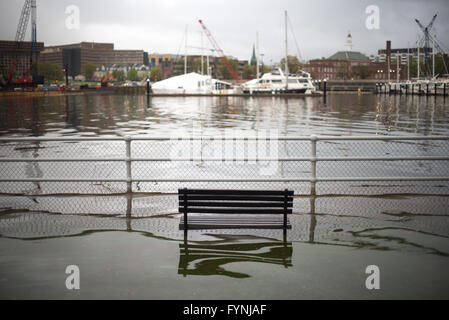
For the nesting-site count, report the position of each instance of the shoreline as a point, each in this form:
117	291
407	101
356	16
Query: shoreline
137	92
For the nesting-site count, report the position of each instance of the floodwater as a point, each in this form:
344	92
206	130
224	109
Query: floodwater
129	245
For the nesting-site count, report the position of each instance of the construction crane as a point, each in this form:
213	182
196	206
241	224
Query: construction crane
427	37
217	48
29	8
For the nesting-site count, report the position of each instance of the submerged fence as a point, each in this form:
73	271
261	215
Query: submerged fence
306	164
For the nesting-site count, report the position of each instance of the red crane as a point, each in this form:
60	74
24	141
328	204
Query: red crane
217	48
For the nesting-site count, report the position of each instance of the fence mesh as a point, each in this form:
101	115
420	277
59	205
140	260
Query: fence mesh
230	165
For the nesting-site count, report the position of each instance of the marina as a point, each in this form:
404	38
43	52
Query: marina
230	151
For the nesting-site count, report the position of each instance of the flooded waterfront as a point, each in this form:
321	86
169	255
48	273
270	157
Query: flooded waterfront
129	246
342	114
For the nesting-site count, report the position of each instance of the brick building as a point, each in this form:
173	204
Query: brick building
347	65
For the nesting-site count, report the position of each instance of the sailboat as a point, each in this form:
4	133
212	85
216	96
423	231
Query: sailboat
280	82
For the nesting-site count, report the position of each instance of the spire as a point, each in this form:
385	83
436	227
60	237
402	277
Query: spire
253	61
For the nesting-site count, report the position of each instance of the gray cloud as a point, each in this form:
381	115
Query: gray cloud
158	26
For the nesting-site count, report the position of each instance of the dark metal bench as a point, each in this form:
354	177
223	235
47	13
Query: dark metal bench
275	205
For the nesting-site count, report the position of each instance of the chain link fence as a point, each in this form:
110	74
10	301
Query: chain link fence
307	165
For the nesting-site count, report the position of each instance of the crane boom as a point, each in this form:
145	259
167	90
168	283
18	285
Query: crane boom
217	48
23	21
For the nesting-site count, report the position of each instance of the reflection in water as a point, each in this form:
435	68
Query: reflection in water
206	258
140	114
33	169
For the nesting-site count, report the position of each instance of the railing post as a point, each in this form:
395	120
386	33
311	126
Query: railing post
313	139
128	164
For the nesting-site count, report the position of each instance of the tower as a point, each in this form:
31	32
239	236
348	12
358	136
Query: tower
349	42
253	61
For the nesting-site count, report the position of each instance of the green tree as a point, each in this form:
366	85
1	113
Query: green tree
222	70
155	74
294	65
363	72
119	75
249	72
132	74
50	71
196	65
88	70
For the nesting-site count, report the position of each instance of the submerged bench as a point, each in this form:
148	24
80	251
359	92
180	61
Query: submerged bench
235	209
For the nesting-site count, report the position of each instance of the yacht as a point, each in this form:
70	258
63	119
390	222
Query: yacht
276	82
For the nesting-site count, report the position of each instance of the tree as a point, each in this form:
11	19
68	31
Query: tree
155	74
88	70
119	75
294	65
222	70
249	72
132	74
50	71
363	72
196	65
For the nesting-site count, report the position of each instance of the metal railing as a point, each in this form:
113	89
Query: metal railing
313	158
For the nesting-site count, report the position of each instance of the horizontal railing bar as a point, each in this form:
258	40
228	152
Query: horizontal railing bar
336	179
61	159
184	138
37	139
432	158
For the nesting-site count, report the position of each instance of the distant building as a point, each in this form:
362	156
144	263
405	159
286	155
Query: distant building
401	53
21	53
344	65
77	54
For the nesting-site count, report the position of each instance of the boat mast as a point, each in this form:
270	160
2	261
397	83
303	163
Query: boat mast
418	55
433	59
286	53
185	55
202	69
397	67
257	56
408	62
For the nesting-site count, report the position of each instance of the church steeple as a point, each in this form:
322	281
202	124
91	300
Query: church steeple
253	61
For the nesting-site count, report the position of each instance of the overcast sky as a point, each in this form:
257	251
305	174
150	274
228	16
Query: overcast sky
159	26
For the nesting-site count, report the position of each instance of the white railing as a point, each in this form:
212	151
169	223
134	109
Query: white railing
312	158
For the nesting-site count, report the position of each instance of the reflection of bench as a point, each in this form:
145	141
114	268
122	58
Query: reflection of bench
209	259
273	205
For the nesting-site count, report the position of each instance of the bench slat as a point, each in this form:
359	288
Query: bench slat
236	198
221	223
235	204
235	192
234	211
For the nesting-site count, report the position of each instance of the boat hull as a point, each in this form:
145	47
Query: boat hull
282	91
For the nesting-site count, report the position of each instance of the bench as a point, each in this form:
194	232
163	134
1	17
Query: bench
243	204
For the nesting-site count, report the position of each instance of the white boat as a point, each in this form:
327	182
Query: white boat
274	82
277	81
192	83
